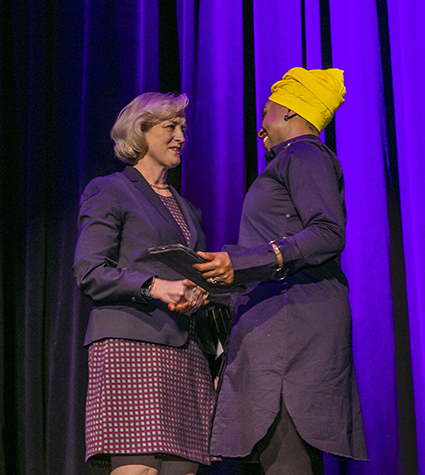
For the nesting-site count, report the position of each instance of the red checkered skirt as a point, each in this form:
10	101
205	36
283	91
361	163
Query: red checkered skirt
145	398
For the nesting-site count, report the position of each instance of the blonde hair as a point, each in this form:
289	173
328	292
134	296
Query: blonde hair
138	117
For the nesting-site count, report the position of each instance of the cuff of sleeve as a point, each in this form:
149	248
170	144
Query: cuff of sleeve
145	289
136	293
254	264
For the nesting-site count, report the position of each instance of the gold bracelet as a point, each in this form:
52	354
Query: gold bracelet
276	249
281	271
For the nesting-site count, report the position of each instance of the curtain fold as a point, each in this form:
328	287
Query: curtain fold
212	75
276	50
361	147
68	68
408	71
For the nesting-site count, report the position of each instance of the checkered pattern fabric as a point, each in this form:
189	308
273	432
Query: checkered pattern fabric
171	204
145	398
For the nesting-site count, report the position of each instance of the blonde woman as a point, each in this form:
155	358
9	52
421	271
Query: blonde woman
150	392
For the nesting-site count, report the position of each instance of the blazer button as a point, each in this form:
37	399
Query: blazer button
133	299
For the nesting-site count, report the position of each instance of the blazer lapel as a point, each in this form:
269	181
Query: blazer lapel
143	186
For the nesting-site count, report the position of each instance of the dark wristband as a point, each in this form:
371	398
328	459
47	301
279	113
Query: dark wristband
145	289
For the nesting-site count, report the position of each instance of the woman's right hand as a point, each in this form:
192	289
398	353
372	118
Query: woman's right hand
218	269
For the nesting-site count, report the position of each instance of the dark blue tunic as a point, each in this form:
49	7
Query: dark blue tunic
292	337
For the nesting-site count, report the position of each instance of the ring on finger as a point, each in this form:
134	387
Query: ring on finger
213	280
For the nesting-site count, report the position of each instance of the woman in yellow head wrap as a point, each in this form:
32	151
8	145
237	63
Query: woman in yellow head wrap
289	391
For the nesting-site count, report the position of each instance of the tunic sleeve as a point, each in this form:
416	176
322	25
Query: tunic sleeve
310	176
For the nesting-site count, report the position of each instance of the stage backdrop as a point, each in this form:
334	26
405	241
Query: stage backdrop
68	67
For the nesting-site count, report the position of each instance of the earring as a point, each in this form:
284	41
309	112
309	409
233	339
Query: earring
286	118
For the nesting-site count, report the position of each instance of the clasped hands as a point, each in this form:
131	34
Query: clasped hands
184	296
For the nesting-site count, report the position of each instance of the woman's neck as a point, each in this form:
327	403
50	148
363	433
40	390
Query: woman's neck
155	176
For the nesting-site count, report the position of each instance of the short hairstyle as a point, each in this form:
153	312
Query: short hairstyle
138	117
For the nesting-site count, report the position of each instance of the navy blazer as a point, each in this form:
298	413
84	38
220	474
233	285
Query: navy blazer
120	218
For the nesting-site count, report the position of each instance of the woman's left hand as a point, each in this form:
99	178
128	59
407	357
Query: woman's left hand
218	270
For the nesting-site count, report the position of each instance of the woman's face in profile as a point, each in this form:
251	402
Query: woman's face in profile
272	130
165	142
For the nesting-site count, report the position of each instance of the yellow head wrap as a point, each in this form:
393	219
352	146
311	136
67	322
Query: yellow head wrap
313	94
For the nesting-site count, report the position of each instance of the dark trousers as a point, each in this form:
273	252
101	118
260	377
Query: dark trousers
283	452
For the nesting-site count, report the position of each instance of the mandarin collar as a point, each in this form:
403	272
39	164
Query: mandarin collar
271	154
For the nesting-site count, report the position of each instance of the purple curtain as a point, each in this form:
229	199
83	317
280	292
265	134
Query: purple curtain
362	145
212	75
67	68
408	71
